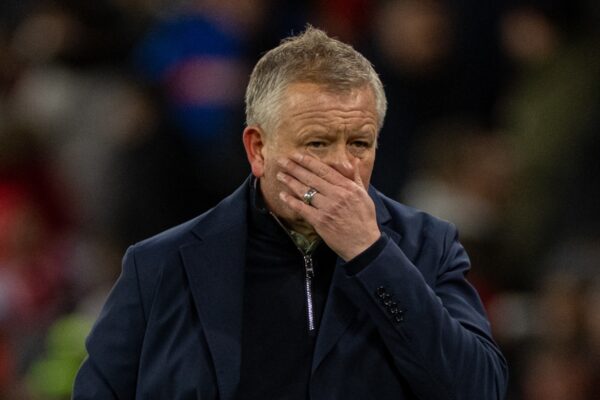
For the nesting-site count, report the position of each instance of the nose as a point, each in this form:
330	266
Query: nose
339	158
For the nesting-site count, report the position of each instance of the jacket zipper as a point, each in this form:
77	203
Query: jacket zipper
309	274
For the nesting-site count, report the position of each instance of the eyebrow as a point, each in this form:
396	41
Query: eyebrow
317	133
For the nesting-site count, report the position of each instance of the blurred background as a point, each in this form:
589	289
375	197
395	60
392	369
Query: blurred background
119	118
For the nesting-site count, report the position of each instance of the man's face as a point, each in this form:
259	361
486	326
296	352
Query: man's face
338	129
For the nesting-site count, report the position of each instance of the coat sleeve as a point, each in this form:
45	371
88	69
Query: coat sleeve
114	344
437	333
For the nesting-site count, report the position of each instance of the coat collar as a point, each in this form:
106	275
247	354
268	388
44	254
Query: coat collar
215	268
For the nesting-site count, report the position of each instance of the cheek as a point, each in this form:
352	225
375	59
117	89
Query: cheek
366	169
358	152
319	153
270	155
270	168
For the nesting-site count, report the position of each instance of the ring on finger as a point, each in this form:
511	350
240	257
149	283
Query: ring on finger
308	196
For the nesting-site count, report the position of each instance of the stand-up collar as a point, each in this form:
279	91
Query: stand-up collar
268	226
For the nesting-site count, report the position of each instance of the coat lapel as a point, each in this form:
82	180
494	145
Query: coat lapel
339	311
337	316
215	269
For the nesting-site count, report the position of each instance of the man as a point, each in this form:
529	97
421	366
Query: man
305	282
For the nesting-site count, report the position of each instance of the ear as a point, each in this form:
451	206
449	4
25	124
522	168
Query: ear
254	143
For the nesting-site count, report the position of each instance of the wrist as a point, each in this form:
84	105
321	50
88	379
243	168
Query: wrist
362	260
361	247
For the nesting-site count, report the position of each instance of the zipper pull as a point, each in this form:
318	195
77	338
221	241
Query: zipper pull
308	266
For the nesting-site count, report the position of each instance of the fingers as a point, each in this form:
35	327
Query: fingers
301	173
324	171
309	213
300	189
304	177
315	173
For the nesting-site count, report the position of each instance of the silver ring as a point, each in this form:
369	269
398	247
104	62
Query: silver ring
308	196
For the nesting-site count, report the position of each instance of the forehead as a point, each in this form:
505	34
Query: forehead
302	101
304	94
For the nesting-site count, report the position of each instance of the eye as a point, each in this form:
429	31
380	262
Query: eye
316	144
361	144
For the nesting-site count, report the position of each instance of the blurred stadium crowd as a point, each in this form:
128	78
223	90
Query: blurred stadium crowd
119	118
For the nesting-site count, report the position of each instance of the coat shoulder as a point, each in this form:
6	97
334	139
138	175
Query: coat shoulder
413	222
229	213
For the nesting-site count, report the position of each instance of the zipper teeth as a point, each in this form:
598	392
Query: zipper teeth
310	273
309	303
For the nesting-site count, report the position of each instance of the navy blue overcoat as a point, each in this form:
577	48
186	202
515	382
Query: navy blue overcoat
171	326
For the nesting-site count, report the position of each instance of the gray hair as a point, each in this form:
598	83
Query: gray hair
312	57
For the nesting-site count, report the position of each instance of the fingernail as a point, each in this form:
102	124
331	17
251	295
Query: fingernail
280	176
282	161
347	165
283	196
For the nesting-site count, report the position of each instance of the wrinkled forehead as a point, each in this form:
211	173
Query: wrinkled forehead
307	104
309	92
